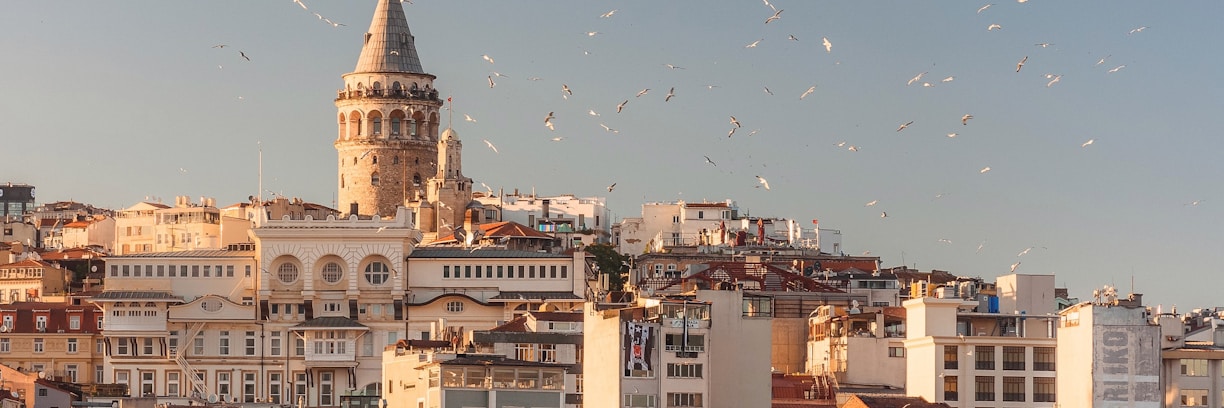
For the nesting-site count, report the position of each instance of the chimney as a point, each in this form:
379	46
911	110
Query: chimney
545	203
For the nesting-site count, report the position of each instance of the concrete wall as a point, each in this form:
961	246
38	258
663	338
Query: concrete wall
788	345
739	366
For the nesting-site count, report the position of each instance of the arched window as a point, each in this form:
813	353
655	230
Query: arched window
377	273
332	273
374	178
375	159
416	180
395	160
287	272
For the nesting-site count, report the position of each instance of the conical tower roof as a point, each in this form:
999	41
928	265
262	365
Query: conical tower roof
389	46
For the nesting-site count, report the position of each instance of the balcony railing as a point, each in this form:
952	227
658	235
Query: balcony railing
430	95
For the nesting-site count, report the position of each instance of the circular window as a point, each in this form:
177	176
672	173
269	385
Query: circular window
377	273
210	305
287	272
454	306
332	272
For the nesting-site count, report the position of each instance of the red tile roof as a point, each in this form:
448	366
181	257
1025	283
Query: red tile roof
57	316
28	263
877	401
518	325
501	230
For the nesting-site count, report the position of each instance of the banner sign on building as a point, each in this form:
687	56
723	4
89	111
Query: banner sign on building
639	348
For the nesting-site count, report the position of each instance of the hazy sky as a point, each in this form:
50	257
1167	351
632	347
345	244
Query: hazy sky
109	102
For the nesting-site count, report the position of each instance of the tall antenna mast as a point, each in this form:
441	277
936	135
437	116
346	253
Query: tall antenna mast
450	112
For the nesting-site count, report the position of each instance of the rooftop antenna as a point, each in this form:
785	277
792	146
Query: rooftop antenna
259	195
450	111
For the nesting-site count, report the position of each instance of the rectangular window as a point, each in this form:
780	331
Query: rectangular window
274	345
274	388
249	343
1013	389
684	370
299	346
6	346
683	399
122	346
950	386
445	271
299	385
500	270
367	345
1193	398
248	270
531	271
1043	358
195	271
984	388
564	271
640	400
72	346
552	271
985	357
677	342
148	346
74	322
229	271
1013	358
71	371
126	270
223	344
146	383
524	351
325	388
951	355
479	269
197	346
38	345
172	383
223	385
161	270
208	271
1043	389
99	370
121	377
521	268
99	346
488	271
1193	367
248	386
896	352
136	270
467	271
548	353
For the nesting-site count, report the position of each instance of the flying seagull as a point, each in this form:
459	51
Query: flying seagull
1138	30
611	187
871	203
670	93
983	8
828	45
710	161
468	118
608	14
642	92
565	88
491	146
670	66
792	37
1116	69
732	132
754	43
965	119
735	122
1088	143
592	112
621	105
883	214
984	170
948	79
244	56
993	27
776	15
768	91
1021	63
491	83
904	125
1014	266
487	58
916	78
807	92
764	183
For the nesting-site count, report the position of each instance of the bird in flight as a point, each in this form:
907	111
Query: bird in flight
945	241
904	125
592	112
1088	143
807	92
565	88
219	46
883	214
735	122
828	45
183	170
852	148
871	203
792	37
548	121
771	6
1014	266
670	93
953	134
916	78
1137	30
491	146
670	66
1195	203
948	79
1116	69
608	14
608	129
993	27
1053	79
979	248
776	15
621	106
753	132
593	33
732	132
491	83
487	58
754	43
768	91
244	56
1021	63
764	183
611	187
1043	45
498	74
642	92
983	8
1102	60
558	138
984	170
710	161
965	119
1024	252
468	118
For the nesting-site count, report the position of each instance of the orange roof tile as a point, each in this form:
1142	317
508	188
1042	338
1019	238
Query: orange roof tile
501	230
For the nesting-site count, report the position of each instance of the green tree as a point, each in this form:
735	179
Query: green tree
611	263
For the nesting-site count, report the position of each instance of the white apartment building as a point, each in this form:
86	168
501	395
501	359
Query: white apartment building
98	231
1109	355
542	337
863	348
707	351
1003	356
680	223
576	220
156	227
421	374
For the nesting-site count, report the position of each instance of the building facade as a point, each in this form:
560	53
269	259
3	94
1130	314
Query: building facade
575	220
15	201
30	280
56	341
542	337
1109	355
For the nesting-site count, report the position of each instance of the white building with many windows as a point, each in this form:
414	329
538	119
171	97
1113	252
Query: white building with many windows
575	220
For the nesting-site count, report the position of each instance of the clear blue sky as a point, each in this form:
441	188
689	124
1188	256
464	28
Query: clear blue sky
104	102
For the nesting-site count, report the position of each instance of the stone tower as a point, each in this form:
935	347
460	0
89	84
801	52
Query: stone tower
387	119
449	193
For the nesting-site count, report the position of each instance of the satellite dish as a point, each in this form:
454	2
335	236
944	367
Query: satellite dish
93	268
4	329
212	398
16	394
42	375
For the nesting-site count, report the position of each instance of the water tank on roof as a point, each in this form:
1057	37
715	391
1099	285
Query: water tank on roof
994	304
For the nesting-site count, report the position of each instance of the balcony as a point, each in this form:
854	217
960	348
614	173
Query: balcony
402	94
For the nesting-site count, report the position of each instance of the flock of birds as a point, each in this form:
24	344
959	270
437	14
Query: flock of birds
552	121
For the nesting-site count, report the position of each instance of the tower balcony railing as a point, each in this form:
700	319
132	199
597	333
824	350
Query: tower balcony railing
422	95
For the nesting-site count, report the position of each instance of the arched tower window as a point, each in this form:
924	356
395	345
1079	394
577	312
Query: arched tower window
341	124
397	122
375	123
416	180
395	160
354	124
417	119
375	159
374	178
341	181
397	89
433	126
